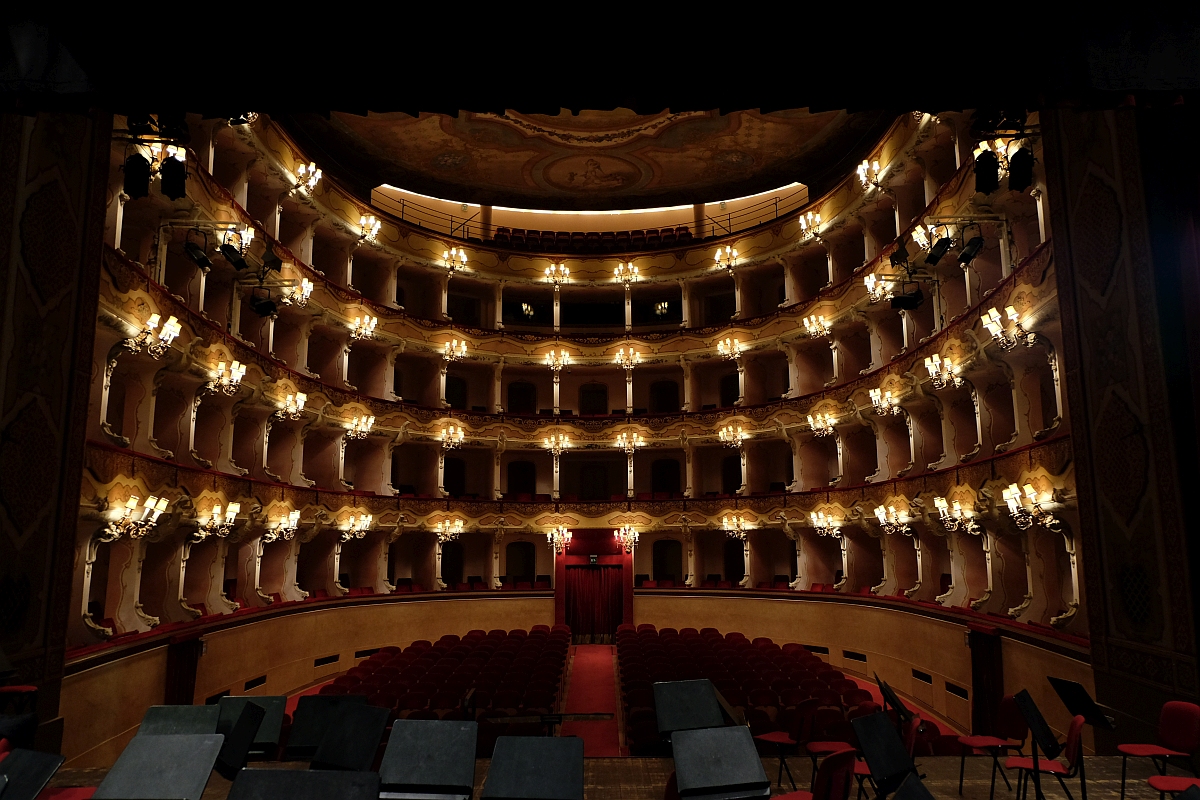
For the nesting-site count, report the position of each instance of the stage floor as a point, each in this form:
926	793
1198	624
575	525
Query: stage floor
644	778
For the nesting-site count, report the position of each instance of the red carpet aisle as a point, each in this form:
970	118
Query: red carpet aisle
593	689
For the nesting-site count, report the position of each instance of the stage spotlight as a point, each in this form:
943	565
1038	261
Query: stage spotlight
971	250
987	172
270	260
899	256
137	176
939	249
173	177
1020	170
233	256
263	306
196	253
909	301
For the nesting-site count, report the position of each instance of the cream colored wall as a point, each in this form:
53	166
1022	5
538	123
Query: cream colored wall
103	706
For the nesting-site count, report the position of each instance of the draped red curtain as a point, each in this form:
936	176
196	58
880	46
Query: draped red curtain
594	599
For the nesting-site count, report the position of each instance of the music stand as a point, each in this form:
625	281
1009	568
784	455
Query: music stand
291	784
884	752
313	714
1080	704
536	768
172	767
1043	738
266	740
351	738
913	789
718	764
891	700
686	705
27	772
429	758
179	720
238	740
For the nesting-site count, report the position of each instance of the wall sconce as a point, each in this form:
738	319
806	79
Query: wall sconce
454	259
626	273
629	442
558	274
628	360
992	322
878	289
816	326
556	443
293	406
451	436
893	521
662	308
868	174
627	537
955	518
942	372
156	346
558	538
448	531
821	424
297	295
557	359
734	526
729	348
283	529
810	224
218	524
307	177
368	227
455	350
527	310
364	327
360	427
136	522
884	402
920	237
1026	509
726	257
227	381
825	525
357	527
731	436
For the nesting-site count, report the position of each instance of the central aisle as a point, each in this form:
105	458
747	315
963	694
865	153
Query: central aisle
593	689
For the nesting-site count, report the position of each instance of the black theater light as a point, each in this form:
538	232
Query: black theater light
197	254
899	256
972	249
233	256
173	177
908	301
1020	170
270	260
987	171
137	176
263	306
939	249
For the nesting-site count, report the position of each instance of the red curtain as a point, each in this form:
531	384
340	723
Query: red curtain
594	599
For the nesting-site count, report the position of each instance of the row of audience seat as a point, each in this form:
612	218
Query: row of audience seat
592	241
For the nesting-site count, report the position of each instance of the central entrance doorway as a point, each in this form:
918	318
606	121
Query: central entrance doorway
595	602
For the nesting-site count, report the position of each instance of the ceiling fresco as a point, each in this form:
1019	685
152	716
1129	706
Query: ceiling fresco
598	160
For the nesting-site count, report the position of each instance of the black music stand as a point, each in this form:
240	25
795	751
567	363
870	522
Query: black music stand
429	758
291	784
352	738
1042	737
266	740
912	789
1080	704
536	768
27	772
686	705
179	720
239	738
718	764
173	767
890	700
884	752
314	712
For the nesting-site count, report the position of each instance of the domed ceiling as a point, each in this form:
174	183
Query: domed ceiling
594	160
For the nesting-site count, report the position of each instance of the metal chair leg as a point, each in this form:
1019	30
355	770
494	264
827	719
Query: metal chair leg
992	790
1003	773
783	767
1064	787
1124	764
962	765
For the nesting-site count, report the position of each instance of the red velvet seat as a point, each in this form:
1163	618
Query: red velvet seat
1011	731
1178	736
832	780
1172	784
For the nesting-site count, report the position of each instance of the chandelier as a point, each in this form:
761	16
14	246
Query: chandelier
357	527
626	537
454	259
816	326
218	524
824	524
360	426
307	176
297	295
558	273
136	522
557	359
942	372
734	526
893	521
155	346
455	350
884	402
227	381
451	436
955	518
626	273
628	360
555	443
731	436
1026	509
877	289
293	406
284	528
448	531
661	308
810	224
629	442
729	348
992	322
558	538
868	174
369	227
822	424
363	327
726	257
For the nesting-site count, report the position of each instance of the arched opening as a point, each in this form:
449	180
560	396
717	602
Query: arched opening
521	560
452	563
522	398
593	483
456	392
454	477
593	398
668	560
731	474
735	560
664	476
522	479
729	390
664	397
